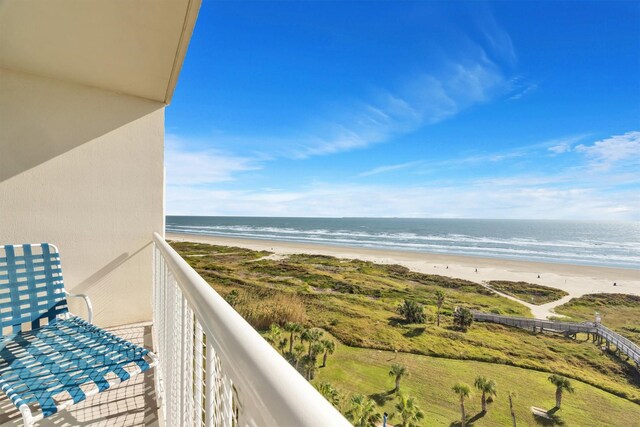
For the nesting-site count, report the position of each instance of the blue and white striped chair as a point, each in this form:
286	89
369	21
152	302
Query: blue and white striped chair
49	358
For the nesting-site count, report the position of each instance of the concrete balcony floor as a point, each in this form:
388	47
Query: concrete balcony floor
132	403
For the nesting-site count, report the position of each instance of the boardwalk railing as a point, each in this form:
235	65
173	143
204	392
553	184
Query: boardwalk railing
215	369
602	333
623	345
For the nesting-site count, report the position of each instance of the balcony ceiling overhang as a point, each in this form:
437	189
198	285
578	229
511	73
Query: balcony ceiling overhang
135	47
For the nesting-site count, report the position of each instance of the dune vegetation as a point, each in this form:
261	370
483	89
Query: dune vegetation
528	292
357	303
619	312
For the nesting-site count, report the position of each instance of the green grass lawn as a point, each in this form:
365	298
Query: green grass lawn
357	302
528	292
619	312
356	370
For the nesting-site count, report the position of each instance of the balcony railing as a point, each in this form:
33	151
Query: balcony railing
215	369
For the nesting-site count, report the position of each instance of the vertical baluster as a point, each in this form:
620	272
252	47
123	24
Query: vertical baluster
198	376
210	375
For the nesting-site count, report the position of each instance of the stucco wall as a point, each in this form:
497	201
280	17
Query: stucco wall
82	168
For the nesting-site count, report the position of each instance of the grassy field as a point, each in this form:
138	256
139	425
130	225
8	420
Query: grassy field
529	292
357	302
619	312
355	370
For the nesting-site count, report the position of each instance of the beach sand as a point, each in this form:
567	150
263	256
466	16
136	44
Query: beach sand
576	280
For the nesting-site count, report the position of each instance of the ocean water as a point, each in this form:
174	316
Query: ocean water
597	243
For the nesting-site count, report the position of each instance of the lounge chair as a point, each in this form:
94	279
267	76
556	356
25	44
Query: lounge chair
49	358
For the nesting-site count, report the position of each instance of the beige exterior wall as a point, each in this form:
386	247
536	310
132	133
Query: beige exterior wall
82	168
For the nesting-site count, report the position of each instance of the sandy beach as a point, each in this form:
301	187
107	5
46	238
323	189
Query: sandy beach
576	280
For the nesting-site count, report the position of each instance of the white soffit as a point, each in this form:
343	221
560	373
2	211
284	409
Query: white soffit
134	47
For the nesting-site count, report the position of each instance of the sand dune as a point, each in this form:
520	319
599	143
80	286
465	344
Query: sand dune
576	280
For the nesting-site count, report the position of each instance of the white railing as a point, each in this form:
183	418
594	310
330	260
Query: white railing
215	369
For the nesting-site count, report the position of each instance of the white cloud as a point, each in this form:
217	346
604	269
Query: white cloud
473	199
194	167
617	149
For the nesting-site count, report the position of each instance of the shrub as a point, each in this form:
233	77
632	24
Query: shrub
412	311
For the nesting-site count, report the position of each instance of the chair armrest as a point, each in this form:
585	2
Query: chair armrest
87	301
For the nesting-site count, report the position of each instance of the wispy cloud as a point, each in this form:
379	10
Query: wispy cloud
422	100
618	149
388	168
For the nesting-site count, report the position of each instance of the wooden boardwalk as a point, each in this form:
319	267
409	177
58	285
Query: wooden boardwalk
600	333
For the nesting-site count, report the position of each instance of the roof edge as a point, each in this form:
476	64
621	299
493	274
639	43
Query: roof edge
191	14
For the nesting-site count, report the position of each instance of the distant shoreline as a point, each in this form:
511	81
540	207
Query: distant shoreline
576	280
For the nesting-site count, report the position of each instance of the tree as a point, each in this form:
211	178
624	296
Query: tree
561	384
311	336
463	391
409	412
399	372
282	344
330	393
293	328
298	351
309	366
362	412
412	311
462	318
487	387
329	348
273	335
440	296
513	413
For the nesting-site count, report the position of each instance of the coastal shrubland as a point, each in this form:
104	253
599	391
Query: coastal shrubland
356	302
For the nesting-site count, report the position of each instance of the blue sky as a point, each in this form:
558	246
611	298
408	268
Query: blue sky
409	109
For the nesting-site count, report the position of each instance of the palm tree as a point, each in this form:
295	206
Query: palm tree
330	393
412	311
440	295
513	413
398	371
463	391
311	336
561	384
362	412
298	351
282	344
487	387
329	348
462	318
409	412
274	334
293	328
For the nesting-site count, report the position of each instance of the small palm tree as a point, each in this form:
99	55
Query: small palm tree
330	393
487	387
362	412
298	351
412	311
440	296
462	318
409	412
561	384
329	348
293	328
282	344
273	335
398	371
311	336
463	391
